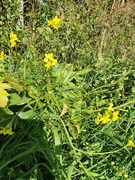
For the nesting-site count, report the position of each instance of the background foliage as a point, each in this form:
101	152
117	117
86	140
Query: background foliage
52	112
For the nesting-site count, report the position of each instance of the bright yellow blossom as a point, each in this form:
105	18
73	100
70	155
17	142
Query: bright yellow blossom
55	22
13	43
13	36
97	120
105	119
48	65
2	56
49	60
13	39
108	115
110	108
131	143
6	131
115	115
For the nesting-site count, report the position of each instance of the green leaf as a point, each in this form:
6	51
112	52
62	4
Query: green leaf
27	115
57	141
17	100
133	89
102	102
70	169
5	112
25	100
32	91
115	140
14	83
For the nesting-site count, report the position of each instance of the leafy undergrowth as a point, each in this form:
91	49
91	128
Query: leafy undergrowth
67	91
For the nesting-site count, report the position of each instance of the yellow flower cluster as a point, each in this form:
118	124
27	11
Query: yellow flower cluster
6	131
131	143
55	22
49	60
109	115
2	56
13	39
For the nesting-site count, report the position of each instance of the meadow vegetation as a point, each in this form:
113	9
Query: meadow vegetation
67	91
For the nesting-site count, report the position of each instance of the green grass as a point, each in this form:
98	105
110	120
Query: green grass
52	112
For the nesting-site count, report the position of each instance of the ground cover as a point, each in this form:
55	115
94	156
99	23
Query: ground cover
67	91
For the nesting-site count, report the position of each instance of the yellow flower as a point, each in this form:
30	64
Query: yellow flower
110	108
97	120
13	36
115	116
105	119
54	61
49	60
130	143
6	131
13	39
2	56
48	65
55	22
13	43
